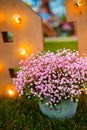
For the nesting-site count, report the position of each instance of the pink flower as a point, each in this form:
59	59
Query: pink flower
53	76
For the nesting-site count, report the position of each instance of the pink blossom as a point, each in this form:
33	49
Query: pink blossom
53	76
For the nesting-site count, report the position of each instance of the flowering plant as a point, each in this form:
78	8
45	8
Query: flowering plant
55	76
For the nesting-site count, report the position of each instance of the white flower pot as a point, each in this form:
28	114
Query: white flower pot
66	109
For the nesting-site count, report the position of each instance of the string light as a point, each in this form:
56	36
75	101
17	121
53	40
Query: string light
17	18
79	3
10	92
23	51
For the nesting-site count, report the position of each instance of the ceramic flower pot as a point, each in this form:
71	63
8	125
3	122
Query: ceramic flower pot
66	109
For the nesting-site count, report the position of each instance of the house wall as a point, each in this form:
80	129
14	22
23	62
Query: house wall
79	16
26	35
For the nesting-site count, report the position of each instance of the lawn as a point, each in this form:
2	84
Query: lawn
55	45
21	114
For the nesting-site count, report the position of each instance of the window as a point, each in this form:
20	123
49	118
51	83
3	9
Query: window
7	37
12	73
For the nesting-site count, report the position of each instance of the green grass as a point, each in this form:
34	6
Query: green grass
22	114
54	46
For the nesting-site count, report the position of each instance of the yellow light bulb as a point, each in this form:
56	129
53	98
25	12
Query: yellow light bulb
79	3
10	92
22	51
17	18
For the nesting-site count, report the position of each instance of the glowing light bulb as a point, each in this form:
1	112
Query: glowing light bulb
23	51
79	3
10	92
17	19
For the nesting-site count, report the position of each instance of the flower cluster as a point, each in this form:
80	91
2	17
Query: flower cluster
52	76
